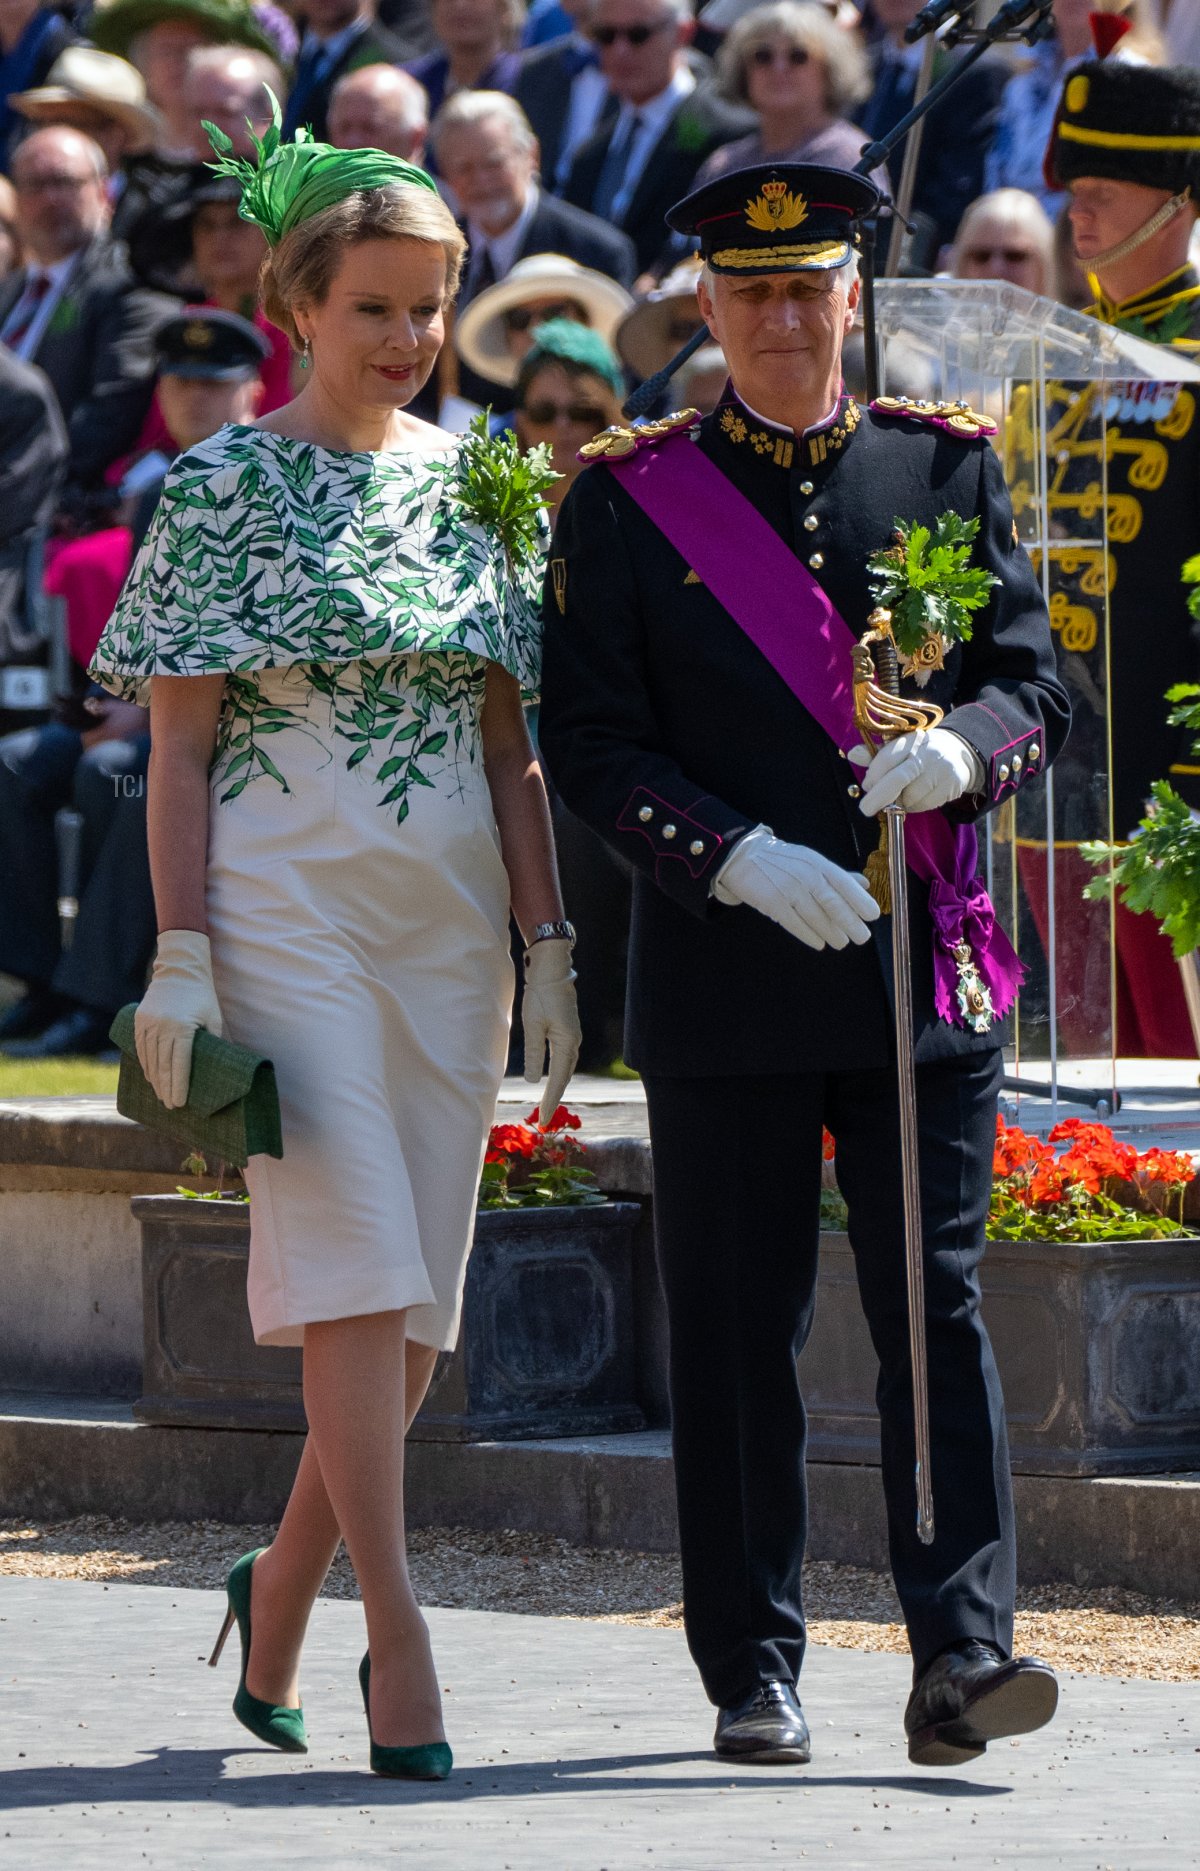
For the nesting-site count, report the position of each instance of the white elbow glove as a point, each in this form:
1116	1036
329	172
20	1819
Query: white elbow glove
550	1018
929	767
180	998
810	896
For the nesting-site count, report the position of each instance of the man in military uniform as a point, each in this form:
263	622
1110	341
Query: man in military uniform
1126	144
760	1003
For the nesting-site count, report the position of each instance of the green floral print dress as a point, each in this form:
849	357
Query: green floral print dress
357	903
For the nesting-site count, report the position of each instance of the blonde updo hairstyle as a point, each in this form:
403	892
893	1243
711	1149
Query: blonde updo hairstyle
301	269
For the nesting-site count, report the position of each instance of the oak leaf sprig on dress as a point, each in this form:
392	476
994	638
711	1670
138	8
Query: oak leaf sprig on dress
925	579
504	489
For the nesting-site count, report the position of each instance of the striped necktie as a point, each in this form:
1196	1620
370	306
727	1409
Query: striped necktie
26	310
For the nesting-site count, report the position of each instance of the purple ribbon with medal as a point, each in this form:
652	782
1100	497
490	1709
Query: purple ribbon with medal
793	622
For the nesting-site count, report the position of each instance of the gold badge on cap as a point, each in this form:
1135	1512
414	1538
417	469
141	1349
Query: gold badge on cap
197	336
776	209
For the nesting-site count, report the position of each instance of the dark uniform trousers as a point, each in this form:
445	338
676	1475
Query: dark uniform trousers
738	1250
42	769
668	733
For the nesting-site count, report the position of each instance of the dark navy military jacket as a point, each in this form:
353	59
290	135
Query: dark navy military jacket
666	730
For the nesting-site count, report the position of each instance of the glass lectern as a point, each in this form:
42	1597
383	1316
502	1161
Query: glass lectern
1054	380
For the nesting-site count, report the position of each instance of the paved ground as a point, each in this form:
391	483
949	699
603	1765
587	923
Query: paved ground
579	1747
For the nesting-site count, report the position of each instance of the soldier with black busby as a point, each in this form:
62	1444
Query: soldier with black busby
1126	145
703	711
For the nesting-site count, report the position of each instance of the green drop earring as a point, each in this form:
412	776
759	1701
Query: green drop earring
306	354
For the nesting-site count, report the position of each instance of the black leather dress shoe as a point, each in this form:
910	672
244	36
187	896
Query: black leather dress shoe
768	1728
79	1030
971	1695
37	1007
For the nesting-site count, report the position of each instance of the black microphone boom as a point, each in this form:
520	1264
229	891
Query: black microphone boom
935	14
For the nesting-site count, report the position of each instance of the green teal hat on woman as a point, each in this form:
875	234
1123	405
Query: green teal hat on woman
565	341
286	183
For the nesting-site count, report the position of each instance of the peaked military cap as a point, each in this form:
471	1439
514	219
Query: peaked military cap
1128	123
204	341
785	217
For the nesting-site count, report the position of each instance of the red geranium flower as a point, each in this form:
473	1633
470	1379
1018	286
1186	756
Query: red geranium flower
561	1120
1169	1166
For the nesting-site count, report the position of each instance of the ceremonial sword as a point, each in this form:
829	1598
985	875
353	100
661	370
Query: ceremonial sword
881	714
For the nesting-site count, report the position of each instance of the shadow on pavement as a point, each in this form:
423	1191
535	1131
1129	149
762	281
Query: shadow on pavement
179	1775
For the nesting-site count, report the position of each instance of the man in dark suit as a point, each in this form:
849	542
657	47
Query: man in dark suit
488	155
957	136
341	36
74	309
565	95
632	169
760	992
33	457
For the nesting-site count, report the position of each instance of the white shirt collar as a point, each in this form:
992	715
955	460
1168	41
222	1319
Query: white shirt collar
781	428
505	247
655	111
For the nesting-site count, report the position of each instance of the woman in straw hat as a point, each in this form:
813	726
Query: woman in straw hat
334	632
99	94
497	330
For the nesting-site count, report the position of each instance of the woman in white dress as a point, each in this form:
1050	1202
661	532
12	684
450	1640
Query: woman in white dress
334	631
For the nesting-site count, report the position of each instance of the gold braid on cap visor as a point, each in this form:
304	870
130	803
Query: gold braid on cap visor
768	259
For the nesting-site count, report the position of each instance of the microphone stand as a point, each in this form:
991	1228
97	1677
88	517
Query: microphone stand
1016	19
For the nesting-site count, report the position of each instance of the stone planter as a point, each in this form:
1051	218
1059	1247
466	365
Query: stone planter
1098	1348
546	1346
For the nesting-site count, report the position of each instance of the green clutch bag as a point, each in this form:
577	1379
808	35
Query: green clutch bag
232	1108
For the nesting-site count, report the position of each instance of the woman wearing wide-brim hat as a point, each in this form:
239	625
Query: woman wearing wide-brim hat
115	24
657	326
99	94
497	329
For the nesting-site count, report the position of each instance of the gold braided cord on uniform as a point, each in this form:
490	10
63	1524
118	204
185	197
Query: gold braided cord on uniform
1121	139
762	259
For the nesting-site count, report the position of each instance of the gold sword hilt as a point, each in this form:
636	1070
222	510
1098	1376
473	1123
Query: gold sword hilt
882	714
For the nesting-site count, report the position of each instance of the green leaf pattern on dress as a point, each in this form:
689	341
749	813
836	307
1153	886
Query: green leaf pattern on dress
368	573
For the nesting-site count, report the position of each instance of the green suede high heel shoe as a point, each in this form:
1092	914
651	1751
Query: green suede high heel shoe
279	1727
431	1761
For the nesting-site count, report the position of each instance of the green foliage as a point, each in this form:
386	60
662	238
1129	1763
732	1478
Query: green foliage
549	1186
927	581
1191	576
504	489
1159	870
1080	1215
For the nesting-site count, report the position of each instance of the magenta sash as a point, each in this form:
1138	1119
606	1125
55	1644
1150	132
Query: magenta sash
792	621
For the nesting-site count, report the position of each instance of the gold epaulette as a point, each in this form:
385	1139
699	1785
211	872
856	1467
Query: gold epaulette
615	443
956	418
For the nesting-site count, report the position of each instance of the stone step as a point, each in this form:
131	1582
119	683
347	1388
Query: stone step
62	1456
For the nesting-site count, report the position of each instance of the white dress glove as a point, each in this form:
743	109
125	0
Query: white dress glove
180	998
809	895
550	1018
929	767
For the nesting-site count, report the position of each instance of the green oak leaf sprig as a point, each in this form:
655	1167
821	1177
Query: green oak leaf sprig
926	580
1191	576
502	488
1159	869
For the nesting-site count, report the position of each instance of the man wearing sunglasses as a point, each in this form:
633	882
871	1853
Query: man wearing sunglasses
707	586
668	123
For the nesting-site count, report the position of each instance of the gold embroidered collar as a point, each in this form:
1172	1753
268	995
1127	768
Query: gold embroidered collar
738	425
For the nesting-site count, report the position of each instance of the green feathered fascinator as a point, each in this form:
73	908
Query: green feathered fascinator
286	183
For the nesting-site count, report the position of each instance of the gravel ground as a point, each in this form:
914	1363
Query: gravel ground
1097	1632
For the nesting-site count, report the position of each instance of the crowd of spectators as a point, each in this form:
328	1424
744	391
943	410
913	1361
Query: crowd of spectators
559	133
